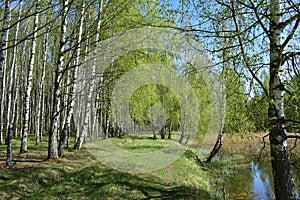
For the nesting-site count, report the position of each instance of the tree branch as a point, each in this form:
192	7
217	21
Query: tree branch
243	51
288	21
258	18
261	150
290	36
294	136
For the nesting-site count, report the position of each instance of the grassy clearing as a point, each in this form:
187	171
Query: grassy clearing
80	176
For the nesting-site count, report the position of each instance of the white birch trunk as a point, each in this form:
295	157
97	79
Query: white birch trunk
3	62
283	179
25	129
40	111
82	135
67	123
13	71
17	105
11	102
13	76
54	125
80	96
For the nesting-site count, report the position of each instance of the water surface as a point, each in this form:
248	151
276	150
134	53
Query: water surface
253	182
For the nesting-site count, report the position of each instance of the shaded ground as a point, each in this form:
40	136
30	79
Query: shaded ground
80	176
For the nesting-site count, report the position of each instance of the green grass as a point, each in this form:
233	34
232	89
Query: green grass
80	176
140	144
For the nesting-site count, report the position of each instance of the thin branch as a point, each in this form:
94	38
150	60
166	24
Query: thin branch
293	121
243	51
259	18
294	136
289	21
261	150
292	33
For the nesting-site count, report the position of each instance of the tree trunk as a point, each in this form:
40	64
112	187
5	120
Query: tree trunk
10	95
13	92
218	145
152	123
183	131
25	129
87	115
183	127
40	111
163	132
283	180
3	62
16	106
169	128
67	123
55	115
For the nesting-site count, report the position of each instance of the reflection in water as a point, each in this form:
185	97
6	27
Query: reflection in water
261	182
239	184
253	182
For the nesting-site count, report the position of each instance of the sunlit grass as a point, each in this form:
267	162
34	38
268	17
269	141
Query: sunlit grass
139	144
80	176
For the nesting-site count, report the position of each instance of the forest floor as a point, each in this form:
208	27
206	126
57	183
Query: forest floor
80	176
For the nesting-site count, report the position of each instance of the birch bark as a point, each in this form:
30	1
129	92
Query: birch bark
10	99
283	179
3	62
67	123
39	126
87	118
25	128
55	115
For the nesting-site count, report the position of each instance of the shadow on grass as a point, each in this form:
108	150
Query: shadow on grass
113	184
93	182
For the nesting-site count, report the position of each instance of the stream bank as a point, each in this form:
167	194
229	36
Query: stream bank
243	169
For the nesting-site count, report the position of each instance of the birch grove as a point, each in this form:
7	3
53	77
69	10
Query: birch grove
49	50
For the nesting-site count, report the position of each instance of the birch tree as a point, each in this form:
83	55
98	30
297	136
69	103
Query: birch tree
70	108
25	128
11	102
40	107
79	140
283	179
56	101
3	61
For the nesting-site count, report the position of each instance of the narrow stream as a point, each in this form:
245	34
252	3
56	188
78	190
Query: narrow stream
262	183
253	182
